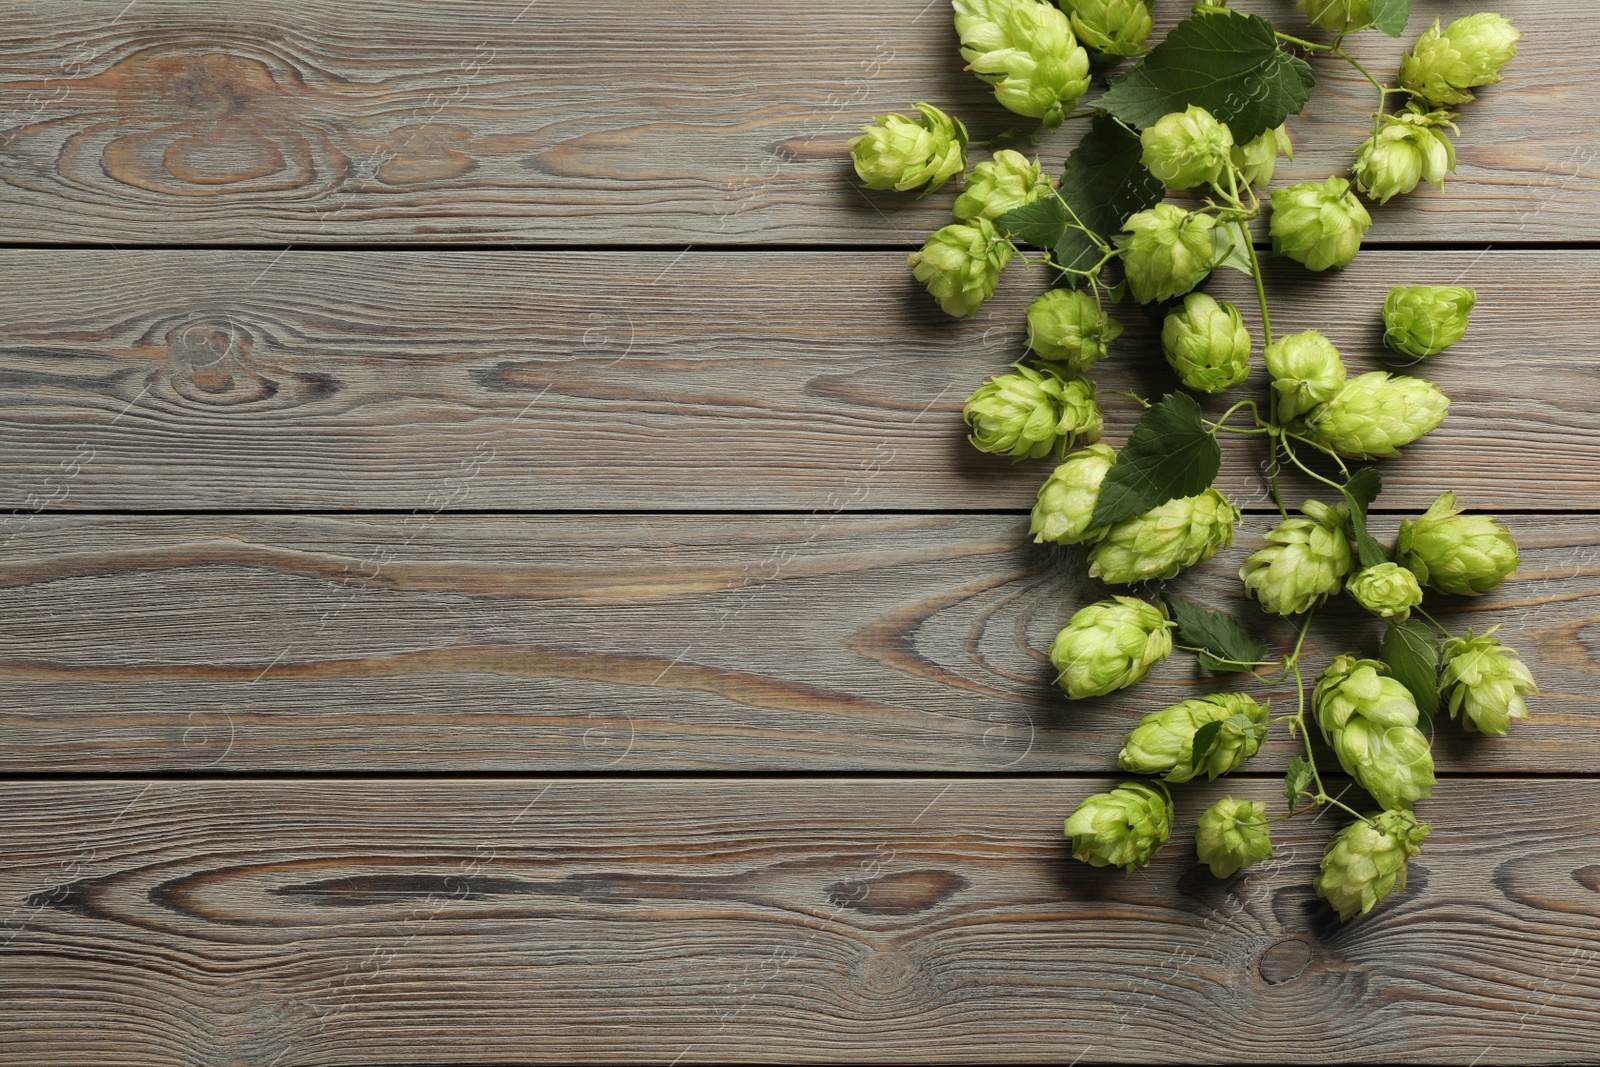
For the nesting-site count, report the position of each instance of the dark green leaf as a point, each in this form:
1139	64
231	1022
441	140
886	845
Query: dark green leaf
1391	16
1039	224
1360	491
1298	780
1219	634
1412	653
1224	61
1228	250
1170	454
1205	739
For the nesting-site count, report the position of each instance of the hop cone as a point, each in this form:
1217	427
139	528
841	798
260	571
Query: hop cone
1232	835
1165	540
1407	148
1318	224
1464	555
1337	16
1257	160
1370	720
1304	563
961	265
1032	413
1027	51
1068	326
1445	66
1424	320
1110	29
1388	590
1068	496
1123	828
1375	414
1000	184
1206	344
1367	859
1166	251
1163	742
1187	148
1109	645
901	153
1306	371
1483	683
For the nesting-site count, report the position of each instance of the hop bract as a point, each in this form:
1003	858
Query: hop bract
1163	742
1408	147
1444	66
1370	720
1068	326
1304	563
1338	16
1319	224
1232	835
1483	683
1206	344
1068	496
1367	859
1110	28
1164	540
961	265
1000	184
1257	160
1387	590
1187	148
1377	413
1464	555
1123	828
1109	645
1424	320
1033	412
1027	51
901	153
1306	371
1166	251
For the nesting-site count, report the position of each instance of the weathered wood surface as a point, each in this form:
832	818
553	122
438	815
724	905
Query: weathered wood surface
488	921
559	121
212	379
830	642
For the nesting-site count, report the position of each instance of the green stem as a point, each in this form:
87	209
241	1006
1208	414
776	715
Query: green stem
1261	288
1289	451
1344	470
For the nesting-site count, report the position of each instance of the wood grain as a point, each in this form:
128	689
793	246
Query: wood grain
733	381
560	121
228	644
337	922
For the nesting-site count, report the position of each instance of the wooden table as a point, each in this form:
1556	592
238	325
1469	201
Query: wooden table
491	571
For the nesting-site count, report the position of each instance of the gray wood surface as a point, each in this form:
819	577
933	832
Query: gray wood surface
739	381
558	121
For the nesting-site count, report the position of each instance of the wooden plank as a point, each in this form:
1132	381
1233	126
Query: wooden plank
735	381
826	642
698	121
338	922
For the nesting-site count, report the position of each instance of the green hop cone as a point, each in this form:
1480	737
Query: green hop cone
1123	828
1257	160
1000	184
1423	320
1445	65
1187	148
1337	16
1032	413
1110	29
1027	51
1388	591
1163	742
1164	540
1319	224
1068	326
1232	835
1110	645
961	265
901	153
1375	414
1068	496
1305	561
1464	555
1407	148
1483	683
1367	859
1206	344
1166	252
1370	720
1306	371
